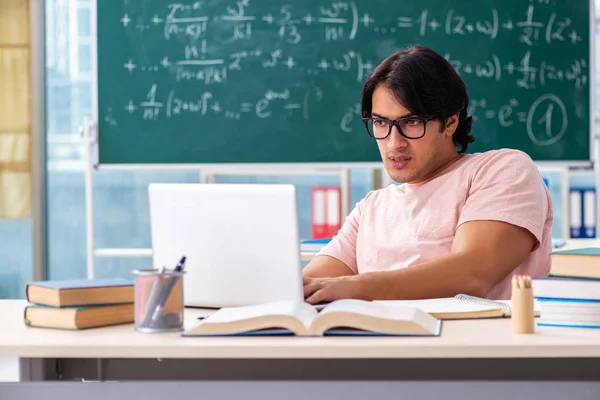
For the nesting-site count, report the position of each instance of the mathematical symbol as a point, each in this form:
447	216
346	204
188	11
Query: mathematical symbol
323	65
508	25
468	69
368	66
246	107
489	114
130	66
125	20
165	62
268	18
216	108
469	28
510	67
290	62
130	107
574	37
522	116
308	19
405	22
366	20
156	20
433	24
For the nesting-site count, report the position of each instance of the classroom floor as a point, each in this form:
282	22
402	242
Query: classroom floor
9	369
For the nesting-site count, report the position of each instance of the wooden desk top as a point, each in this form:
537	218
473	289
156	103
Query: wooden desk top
490	338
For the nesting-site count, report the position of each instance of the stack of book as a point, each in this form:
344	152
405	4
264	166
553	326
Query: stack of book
570	295
79	304
313	245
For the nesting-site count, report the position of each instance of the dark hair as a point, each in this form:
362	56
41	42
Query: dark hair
424	82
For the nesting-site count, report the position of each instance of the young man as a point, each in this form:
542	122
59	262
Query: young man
458	223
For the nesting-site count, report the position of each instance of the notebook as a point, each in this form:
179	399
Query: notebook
348	317
462	306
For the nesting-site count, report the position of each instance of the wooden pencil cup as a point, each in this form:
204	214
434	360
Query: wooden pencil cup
522	313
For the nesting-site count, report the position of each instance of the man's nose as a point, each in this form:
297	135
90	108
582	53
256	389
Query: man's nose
396	140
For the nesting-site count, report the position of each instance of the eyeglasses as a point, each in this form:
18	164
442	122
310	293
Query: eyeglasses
411	127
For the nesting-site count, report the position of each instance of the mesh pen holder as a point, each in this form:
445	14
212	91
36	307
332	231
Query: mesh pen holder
158	300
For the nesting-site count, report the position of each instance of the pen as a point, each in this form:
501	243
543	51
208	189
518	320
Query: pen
153	297
180	264
168	287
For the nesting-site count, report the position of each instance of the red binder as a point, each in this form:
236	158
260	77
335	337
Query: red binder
326	212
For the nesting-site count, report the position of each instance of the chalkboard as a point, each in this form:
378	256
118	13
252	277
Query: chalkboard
249	81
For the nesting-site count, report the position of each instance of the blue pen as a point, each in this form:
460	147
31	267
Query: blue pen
167	291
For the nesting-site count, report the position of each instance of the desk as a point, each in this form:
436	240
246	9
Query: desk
466	350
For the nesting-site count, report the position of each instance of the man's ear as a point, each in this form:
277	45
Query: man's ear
451	124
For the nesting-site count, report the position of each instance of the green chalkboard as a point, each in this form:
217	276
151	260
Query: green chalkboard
269	81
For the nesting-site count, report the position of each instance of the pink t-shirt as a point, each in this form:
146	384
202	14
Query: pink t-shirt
409	224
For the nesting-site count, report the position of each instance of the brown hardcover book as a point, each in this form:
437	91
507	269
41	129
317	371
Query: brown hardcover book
577	263
80	292
78	317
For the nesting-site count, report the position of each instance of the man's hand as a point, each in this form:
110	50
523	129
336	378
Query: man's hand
317	290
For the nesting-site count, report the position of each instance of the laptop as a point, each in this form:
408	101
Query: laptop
241	241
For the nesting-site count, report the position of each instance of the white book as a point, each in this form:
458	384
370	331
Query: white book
342	317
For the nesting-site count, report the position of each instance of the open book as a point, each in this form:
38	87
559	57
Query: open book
462	306
342	317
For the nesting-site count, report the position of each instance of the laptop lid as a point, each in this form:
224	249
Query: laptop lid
241	241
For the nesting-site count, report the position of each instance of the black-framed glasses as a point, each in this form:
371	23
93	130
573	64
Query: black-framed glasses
411	127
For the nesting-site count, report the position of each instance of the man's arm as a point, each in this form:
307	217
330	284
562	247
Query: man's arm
326	267
483	253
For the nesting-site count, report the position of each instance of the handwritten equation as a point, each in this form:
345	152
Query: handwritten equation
152	108
530	29
526	75
342	20
219	49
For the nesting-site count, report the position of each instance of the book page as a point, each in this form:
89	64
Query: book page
351	316
300	310
373	309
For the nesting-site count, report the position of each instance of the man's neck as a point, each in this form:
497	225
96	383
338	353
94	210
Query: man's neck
450	159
